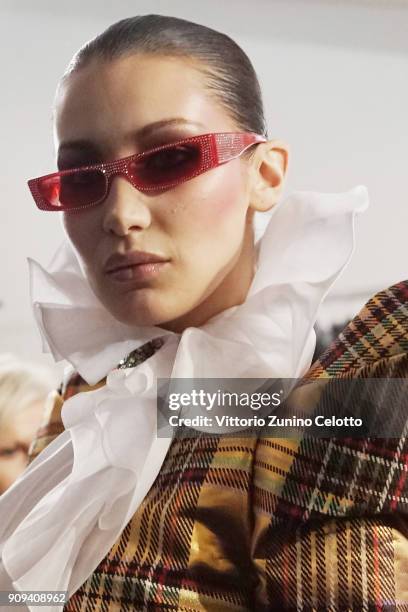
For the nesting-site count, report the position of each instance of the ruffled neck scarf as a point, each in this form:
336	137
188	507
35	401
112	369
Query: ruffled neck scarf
62	516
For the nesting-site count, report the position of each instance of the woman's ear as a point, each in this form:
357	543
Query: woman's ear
267	174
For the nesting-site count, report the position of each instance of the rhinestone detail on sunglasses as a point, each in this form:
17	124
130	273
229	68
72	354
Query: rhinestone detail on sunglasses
92	183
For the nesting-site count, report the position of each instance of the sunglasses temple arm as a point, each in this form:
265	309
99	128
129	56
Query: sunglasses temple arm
229	157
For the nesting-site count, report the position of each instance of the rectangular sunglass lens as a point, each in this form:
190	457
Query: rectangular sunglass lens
167	166
81	188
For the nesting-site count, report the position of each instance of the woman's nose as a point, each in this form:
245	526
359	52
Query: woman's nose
125	208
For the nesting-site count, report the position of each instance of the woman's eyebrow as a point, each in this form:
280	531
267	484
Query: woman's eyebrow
150	128
141	134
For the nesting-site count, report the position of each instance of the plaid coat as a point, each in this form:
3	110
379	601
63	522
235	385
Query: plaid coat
262	523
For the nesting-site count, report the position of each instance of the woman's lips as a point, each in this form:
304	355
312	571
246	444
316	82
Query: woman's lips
134	266
137	272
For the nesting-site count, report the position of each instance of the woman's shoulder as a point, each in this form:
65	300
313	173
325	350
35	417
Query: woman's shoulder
372	351
379	331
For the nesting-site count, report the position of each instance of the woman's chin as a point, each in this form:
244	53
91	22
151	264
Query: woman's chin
139	320
141	315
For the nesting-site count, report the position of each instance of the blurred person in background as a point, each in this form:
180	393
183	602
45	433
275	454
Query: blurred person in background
23	391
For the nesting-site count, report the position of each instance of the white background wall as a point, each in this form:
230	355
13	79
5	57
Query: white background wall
335	83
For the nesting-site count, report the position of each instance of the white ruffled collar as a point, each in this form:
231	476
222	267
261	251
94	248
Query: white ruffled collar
306	244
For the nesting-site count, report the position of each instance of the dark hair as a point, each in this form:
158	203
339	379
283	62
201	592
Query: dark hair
228	71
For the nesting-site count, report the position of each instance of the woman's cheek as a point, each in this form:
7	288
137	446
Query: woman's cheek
80	231
209	230
214	204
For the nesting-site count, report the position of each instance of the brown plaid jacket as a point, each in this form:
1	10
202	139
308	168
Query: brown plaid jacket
262	523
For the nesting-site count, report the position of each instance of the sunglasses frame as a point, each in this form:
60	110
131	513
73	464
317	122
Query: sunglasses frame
215	149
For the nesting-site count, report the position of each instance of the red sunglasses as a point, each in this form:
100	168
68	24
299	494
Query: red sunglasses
159	168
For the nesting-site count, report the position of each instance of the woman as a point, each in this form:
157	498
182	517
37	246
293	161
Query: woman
23	392
164	164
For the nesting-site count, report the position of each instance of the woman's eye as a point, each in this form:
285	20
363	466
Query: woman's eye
169	157
77	178
9	452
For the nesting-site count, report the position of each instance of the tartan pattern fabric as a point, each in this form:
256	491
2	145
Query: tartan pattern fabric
336	520
379	330
255	524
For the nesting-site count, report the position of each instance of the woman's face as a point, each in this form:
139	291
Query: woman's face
202	227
